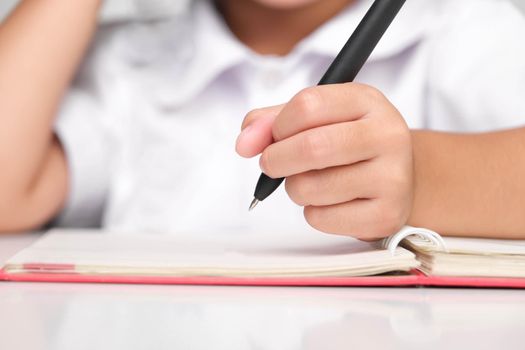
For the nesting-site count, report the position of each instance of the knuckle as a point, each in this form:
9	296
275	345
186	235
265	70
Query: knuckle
308	102
371	93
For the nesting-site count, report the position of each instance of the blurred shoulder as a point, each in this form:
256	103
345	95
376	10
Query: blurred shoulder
476	65
471	21
470	34
134	41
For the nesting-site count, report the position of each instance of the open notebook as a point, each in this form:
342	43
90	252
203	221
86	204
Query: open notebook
423	258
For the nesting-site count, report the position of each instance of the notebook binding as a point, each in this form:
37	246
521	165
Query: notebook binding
392	242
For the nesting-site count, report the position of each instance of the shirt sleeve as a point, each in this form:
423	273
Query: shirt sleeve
87	151
83	127
477	68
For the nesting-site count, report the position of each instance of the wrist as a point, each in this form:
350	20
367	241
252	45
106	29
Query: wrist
423	175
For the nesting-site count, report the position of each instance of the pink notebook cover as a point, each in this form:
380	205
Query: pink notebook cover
415	278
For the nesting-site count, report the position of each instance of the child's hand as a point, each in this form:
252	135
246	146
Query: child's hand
346	153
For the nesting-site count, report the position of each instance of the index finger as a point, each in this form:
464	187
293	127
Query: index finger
322	105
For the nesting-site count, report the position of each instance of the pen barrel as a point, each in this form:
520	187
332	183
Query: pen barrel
362	42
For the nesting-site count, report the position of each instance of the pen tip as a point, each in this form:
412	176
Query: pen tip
253	204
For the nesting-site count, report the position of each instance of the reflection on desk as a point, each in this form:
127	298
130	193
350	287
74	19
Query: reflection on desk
190	317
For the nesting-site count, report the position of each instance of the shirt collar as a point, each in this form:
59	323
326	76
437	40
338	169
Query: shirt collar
211	49
207	50
215	48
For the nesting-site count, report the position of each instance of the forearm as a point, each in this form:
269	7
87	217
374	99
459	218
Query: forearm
41	44
470	185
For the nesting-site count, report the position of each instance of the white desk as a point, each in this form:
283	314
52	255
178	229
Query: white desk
89	316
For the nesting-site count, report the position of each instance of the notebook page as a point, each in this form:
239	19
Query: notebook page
474	257
481	246
218	254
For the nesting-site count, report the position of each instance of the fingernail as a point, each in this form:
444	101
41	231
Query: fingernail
261	165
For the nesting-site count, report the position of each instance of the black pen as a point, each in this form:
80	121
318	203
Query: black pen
346	66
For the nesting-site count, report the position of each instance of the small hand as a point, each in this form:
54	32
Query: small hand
346	154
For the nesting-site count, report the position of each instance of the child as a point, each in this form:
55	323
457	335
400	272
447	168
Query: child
143	139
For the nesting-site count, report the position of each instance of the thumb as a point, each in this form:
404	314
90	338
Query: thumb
256	132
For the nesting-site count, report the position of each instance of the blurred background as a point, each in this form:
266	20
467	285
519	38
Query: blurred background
118	9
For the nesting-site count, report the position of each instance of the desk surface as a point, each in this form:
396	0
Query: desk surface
90	316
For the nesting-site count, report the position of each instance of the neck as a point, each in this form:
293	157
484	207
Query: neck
276	31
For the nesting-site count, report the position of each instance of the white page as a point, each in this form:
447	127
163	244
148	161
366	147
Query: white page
211	254
474	257
460	245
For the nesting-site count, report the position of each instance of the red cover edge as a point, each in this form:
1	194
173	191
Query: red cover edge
379	281
415	279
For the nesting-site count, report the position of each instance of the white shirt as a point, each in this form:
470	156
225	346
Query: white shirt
150	123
